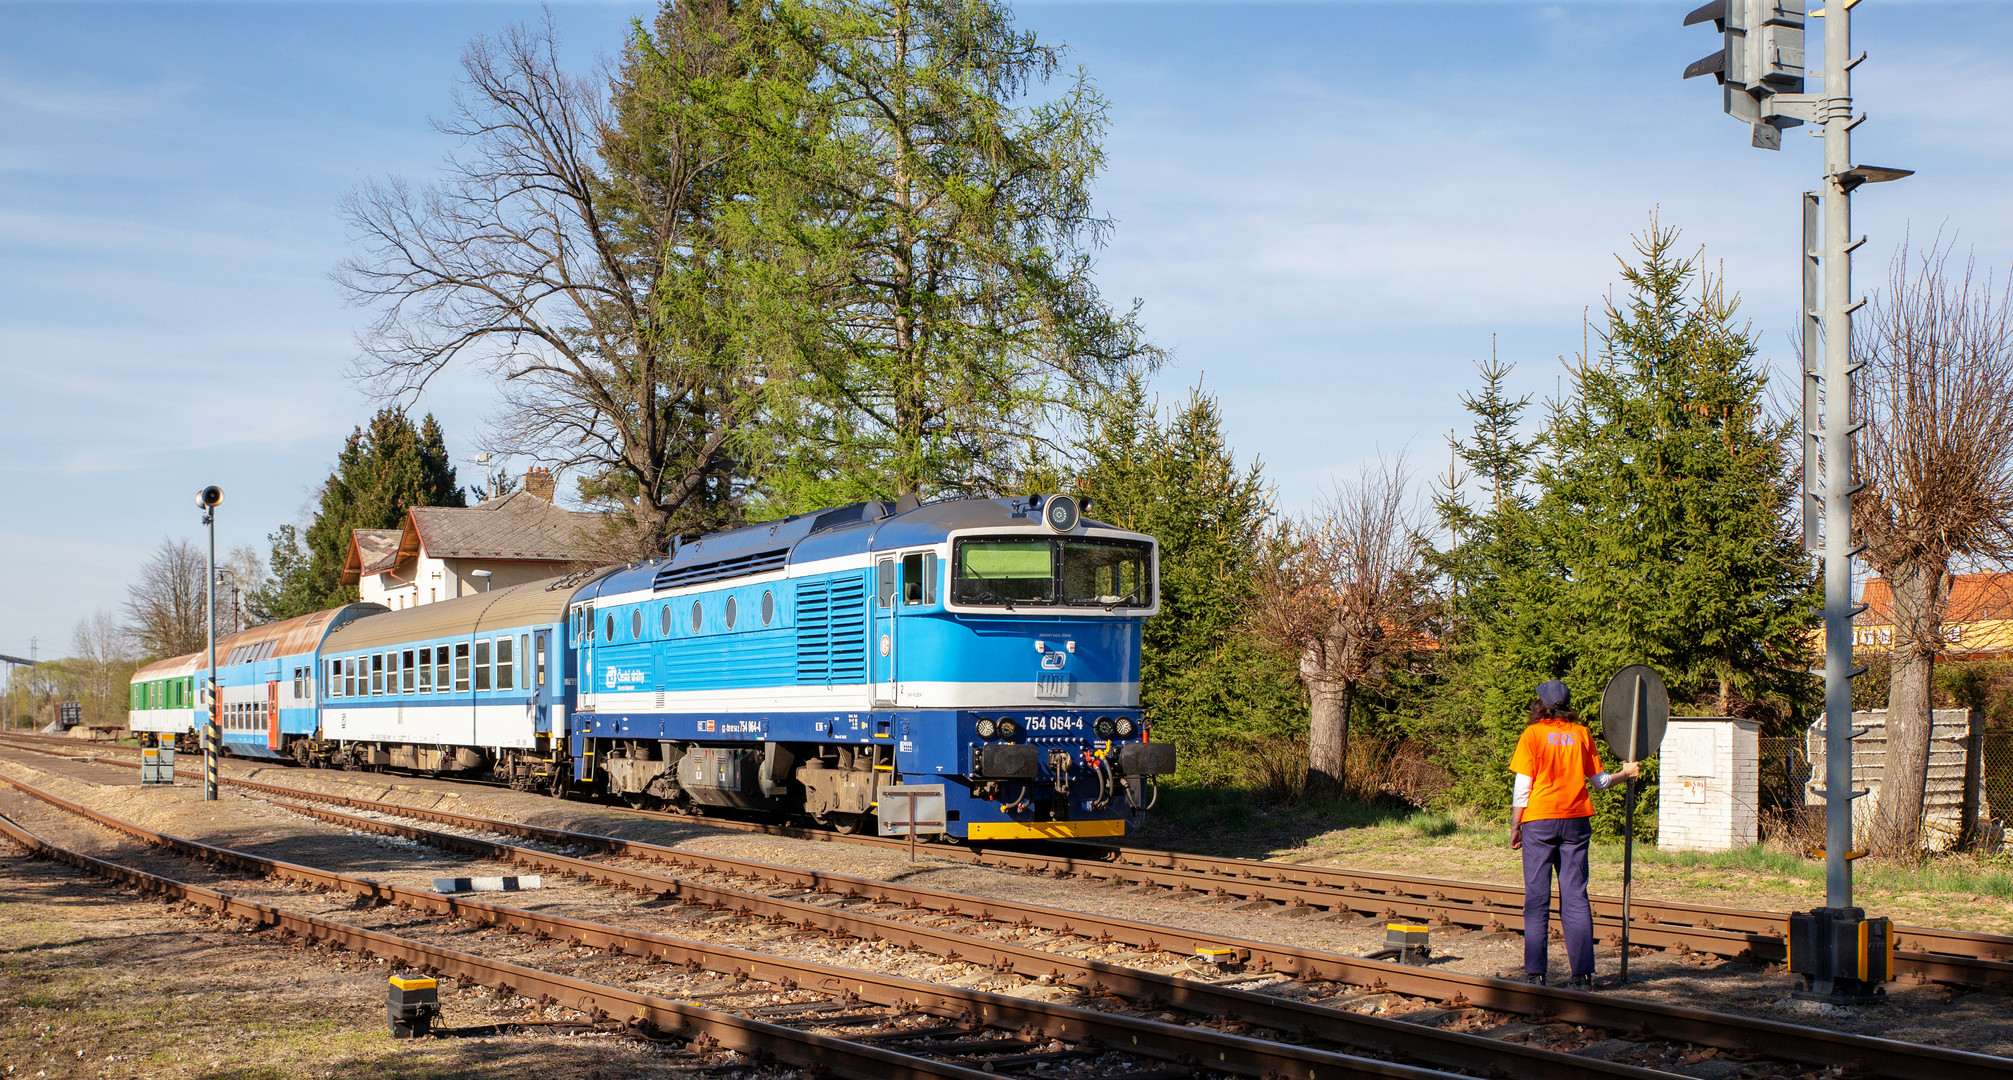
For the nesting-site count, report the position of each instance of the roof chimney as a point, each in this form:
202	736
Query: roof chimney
538	481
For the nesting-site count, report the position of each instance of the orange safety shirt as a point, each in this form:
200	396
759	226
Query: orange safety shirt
1558	756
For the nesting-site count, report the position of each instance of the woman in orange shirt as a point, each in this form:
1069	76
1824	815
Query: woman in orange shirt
1551	821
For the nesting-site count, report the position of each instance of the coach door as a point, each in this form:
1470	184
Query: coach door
273	715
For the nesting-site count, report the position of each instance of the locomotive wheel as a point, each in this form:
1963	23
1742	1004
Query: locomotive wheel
638	800
850	824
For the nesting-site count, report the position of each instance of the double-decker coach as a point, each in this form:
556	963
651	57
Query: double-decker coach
266	681
985	649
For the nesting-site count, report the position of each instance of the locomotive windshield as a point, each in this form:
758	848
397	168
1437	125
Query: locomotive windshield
1011	571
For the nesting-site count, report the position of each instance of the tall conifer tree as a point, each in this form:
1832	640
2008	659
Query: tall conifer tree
1205	679
383	470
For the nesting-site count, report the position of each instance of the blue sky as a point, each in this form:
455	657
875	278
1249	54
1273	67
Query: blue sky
1329	209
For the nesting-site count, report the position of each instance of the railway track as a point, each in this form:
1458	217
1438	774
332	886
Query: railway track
1000	1033
1926	954
1301	1020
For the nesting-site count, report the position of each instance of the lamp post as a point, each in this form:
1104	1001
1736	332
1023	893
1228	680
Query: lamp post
208	498
484	576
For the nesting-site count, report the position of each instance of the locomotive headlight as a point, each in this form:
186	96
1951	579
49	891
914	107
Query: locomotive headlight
986	727
1124	726
1105	728
1007	728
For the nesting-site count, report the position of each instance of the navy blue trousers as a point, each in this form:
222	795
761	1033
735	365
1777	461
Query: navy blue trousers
1557	844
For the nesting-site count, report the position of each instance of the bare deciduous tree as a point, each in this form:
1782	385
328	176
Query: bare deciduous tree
558	254
1346	593
164	608
1936	461
102	663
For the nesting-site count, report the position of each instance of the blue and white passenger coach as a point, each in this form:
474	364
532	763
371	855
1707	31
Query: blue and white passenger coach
989	648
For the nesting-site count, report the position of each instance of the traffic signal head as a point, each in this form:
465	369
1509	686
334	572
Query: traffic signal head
1761	55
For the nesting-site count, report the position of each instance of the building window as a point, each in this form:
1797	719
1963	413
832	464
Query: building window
505	669
461	667
426	671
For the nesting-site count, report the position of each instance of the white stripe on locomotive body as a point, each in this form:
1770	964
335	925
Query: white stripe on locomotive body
789	573
853	697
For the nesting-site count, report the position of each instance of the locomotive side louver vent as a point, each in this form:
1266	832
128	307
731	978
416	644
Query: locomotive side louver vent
832	631
759	562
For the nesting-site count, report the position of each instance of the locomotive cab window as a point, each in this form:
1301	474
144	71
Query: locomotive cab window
1004	572
1063	572
1106	573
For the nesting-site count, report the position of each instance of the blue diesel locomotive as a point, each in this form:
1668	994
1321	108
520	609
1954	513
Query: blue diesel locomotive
984	651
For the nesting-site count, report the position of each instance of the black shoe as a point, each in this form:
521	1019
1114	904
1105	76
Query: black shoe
1535	978
1581	982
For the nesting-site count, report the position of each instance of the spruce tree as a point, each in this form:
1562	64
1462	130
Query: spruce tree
1205	679
1667	496
383	470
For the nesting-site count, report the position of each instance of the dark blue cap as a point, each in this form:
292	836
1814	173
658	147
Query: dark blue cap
1553	693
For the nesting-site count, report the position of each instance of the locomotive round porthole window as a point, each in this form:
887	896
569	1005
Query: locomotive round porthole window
611	626
664	621
768	607
695	616
731	611
636	625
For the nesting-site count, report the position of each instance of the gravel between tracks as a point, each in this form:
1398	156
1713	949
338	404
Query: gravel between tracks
1977	1022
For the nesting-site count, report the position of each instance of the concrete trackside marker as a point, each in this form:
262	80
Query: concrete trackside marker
484	884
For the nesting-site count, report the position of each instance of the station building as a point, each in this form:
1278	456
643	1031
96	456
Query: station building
437	551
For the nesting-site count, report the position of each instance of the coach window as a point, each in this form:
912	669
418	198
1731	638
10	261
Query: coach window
461	666
391	673
426	671
376	674
482	665
335	678
884	587
768	607
350	671
697	613
506	670
524	657
541	658
407	678
440	670
733	610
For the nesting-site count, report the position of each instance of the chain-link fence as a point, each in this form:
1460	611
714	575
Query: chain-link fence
1788	814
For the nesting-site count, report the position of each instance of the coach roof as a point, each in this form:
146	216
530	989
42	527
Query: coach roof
530	604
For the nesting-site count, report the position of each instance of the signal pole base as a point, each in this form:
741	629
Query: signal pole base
1843	956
